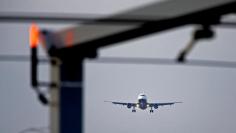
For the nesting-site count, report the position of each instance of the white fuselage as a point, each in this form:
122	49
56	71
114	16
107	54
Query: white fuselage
142	101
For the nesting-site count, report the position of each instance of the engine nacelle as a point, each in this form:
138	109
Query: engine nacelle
129	106
155	106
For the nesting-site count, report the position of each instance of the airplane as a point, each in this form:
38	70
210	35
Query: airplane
142	103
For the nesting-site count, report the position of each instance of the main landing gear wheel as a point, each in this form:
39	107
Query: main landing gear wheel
133	110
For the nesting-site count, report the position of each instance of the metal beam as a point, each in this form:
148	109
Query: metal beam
209	16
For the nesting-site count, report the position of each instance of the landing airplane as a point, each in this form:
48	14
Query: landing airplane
142	104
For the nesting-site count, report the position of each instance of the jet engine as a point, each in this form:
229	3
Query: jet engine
129	106
155	106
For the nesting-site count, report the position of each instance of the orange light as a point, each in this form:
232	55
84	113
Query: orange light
69	38
33	35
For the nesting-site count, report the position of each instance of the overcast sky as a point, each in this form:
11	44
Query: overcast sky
208	94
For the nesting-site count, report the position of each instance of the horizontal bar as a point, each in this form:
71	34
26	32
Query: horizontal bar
164	61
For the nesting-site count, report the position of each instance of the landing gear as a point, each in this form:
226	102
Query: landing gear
133	110
151	111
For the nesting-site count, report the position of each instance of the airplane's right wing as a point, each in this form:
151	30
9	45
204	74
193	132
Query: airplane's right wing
129	105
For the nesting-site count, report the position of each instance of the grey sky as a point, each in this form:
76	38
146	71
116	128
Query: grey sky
208	93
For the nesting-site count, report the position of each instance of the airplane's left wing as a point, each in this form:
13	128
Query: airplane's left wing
161	104
156	105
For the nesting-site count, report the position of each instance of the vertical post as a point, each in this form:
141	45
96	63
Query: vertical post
34	65
55	95
71	96
34	41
